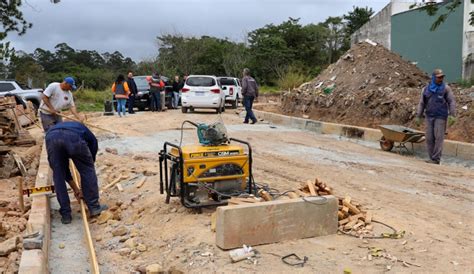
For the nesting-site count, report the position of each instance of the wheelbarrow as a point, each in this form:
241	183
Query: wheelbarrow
392	134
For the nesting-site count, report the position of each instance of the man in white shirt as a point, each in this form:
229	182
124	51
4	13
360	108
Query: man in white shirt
55	98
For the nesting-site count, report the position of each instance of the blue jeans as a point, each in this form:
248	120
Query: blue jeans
61	146
49	121
155	101
121	106
175	99
248	103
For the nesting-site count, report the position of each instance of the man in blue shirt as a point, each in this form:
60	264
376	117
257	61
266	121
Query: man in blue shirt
73	140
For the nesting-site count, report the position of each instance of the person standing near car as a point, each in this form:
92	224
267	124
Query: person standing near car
250	92
177	86
156	85
121	92
133	92
439	106
55	98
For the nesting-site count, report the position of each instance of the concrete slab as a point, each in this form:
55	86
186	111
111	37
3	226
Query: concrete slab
275	221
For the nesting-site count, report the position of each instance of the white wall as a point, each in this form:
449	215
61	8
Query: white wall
468	42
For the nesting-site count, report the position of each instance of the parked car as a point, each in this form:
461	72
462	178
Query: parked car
202	91
142	100
232	90
27	93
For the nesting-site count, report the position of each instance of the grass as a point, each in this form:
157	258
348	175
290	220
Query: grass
91	100
268	89
466	83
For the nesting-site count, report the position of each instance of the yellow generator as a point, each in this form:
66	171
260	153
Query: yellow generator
209	173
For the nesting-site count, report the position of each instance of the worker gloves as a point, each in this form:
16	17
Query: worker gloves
451	120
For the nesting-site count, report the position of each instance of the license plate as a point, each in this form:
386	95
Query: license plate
199	93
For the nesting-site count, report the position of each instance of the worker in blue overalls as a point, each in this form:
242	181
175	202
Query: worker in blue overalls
73	140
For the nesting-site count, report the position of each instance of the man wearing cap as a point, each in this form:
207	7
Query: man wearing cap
56	97
438	104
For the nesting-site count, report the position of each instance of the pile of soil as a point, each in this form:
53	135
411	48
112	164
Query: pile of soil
369	86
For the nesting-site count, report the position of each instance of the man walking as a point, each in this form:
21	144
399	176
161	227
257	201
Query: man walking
250	92
73	140
56	97
438	104
177	86
133	92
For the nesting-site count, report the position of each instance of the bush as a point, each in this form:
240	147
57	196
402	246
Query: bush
292	79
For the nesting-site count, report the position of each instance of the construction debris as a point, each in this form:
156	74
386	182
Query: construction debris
369	86
11	132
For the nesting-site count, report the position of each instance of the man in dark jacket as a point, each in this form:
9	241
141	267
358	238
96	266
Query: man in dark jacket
250	92
133	92
73	140
438	104
177	86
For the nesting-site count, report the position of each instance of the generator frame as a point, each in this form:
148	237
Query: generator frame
168	181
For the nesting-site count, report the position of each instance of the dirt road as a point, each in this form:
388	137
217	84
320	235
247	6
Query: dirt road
432	204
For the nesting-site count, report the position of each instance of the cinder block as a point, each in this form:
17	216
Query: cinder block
314	126
331	128
275	221
33	262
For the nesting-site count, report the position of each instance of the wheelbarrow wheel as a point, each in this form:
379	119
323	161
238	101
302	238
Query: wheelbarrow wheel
386	145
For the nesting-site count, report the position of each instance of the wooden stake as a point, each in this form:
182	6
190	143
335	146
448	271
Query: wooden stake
119	187
311	188
90	244
293	195
141	182
20	195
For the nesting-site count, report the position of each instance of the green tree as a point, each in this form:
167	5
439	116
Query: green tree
336	38
432	10
357	18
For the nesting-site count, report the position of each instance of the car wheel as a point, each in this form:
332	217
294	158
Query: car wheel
184	109
235	103
223	108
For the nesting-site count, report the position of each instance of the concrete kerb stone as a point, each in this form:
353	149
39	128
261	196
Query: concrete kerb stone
461	150
36	260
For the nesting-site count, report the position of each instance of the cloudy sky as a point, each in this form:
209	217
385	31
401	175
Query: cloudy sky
131	26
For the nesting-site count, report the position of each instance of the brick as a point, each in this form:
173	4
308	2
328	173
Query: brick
33	262
275	221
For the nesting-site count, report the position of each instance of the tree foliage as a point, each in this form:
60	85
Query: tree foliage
432	9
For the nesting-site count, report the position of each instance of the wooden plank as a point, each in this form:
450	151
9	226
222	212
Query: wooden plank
116	181
312	191
20	195
345	210
350	224
351	207
356	217
368	217
347	199
340	215
141	182
265	195
90	244
344	221
119	187
301	193
359	224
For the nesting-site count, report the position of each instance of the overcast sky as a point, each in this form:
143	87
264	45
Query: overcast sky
131	26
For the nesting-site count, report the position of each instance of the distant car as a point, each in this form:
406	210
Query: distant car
232	90
202	91
27	93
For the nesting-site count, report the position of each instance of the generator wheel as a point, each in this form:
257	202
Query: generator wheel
386	145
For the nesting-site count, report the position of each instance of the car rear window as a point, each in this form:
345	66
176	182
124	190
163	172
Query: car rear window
200	82
227	82
141	82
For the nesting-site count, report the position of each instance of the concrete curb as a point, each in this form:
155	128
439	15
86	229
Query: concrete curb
35	254
457	149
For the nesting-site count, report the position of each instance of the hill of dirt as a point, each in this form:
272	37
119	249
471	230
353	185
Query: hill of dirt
369	86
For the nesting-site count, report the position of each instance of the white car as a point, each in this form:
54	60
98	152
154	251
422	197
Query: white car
232	89
28	94
202	91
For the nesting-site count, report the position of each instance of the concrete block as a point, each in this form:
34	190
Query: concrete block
372	135
33	262
352	132
298	123
314	126
275	221
450	148
465	151
331	128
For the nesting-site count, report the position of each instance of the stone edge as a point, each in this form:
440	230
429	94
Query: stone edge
36	260
451	148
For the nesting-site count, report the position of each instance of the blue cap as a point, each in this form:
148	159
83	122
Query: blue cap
71	82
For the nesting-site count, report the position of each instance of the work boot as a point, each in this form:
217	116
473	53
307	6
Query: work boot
66	219
246	122
253	122
432	162
96	211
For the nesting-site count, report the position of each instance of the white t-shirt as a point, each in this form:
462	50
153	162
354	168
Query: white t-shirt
59	99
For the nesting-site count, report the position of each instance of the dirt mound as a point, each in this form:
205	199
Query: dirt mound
368	86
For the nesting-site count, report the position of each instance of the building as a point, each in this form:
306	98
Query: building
407	32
